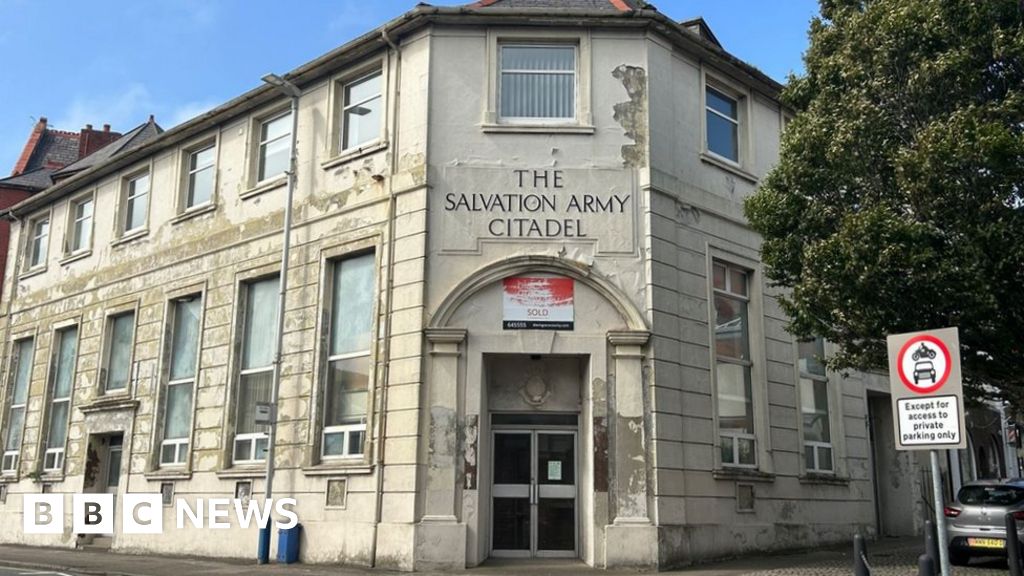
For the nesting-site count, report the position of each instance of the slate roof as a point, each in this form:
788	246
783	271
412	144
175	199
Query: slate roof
37	179
592	5
133	139
55	148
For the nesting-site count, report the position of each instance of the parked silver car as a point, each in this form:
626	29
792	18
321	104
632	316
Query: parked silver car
977	520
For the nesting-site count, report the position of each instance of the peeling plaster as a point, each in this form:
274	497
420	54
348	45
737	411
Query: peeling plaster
600	452
469	450
632	114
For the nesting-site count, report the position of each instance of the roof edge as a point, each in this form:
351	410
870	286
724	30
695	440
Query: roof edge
374	39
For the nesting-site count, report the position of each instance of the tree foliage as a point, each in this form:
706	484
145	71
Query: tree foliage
898	201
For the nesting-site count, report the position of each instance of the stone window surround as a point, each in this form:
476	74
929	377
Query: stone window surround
184	153
69	252
583	123
327	256
121	222
335	103
74	321
154	469
105	347
252	147
30	223
835	418
744	100
758	357
11	370
242	279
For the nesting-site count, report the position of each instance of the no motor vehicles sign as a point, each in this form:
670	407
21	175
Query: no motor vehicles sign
927	391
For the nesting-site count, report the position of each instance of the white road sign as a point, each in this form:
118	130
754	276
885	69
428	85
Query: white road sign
927	391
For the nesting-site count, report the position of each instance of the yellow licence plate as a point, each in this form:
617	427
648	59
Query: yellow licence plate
986	543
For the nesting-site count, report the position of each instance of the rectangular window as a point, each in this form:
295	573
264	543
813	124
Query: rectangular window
38	242
733	365
15	422
723	124
814	406
117	361
184	353
537	83
348	362
61	387
256	370
200	176
274	146
362	111
80	226
136	207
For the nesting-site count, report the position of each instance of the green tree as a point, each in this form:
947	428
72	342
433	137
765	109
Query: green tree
898	201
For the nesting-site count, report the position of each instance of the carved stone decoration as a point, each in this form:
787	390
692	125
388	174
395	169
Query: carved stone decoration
535	390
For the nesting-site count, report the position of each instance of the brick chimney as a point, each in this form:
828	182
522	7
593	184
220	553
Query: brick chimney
90	140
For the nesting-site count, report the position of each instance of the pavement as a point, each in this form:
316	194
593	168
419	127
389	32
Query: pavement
890	557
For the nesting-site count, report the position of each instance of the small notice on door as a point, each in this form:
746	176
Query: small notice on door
929	420
554	470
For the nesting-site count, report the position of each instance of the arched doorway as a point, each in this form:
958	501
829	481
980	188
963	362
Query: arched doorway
550	459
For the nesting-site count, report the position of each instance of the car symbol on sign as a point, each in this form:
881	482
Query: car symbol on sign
924	371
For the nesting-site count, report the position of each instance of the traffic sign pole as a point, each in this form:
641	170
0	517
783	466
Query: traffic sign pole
940	516
928	406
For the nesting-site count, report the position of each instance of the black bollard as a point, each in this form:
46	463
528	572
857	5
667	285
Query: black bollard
860	554
925	566
931	545
1013	556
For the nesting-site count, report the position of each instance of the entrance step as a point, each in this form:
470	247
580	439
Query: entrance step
97	543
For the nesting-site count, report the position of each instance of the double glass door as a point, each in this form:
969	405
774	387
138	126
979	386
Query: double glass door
534	511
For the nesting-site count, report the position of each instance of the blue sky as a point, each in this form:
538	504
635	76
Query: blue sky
103	61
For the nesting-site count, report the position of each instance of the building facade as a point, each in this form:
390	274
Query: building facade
524	316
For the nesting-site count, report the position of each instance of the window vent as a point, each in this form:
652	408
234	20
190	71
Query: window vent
337	491
167	493
744	497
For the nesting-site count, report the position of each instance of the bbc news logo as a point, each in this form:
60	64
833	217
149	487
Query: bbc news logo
144	513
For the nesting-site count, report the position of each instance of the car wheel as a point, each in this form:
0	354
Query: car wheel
958	558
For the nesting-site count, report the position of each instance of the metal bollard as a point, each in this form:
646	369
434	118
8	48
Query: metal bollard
1013	556
925	566
860	553
931	545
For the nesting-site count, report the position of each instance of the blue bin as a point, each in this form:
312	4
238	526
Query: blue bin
288	544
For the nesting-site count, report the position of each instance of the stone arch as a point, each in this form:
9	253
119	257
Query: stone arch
496	271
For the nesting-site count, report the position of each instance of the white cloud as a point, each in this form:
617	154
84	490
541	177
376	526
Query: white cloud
189	110
123	109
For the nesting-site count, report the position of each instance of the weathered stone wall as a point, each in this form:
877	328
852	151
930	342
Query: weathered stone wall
341	205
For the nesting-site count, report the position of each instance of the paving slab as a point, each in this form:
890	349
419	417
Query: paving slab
893	557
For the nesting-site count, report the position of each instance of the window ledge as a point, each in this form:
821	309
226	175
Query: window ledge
829	479
350	155
265	186
537	129
246	471
337	469
750	475
51	477
130	236
193	212
164	475
32	272
75	257
104	403
9	478
728	166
